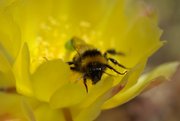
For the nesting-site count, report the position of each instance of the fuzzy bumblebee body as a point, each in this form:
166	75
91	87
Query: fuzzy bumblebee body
90	61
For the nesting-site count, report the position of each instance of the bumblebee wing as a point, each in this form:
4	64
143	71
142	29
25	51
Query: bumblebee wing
80	46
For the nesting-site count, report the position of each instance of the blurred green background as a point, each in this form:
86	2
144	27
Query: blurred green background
162	103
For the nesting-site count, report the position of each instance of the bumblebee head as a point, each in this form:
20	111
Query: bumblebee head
95	71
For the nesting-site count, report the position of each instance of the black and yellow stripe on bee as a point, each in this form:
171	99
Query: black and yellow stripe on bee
92	56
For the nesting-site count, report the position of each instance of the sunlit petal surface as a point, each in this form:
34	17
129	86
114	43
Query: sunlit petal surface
70	93
21	71
47	79
45	113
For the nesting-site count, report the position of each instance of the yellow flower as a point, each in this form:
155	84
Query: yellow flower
33	55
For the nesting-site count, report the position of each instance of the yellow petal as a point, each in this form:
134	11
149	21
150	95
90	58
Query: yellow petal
82	20
6	75
121	97
67	96
12	108
165	70
90	107
135	73
29	15
96	91
142	40
5	3
135	34
9	34
6	80
4	64
160	74
48	77
45	113
91	112
21	72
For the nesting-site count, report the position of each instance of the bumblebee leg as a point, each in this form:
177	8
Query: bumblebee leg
112	52
116	63
108	66
84	81
74	69
70	63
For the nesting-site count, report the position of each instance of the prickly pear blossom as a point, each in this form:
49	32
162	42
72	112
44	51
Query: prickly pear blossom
36	83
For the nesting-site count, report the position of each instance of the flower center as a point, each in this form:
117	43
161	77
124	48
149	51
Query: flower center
49	43
52	36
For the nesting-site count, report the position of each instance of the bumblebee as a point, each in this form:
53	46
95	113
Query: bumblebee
91	62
